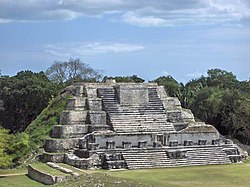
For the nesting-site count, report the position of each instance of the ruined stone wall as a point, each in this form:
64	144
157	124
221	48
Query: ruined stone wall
44	178
119	138
194	137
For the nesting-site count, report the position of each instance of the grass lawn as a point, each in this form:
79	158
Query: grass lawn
13	171
206	176
19	181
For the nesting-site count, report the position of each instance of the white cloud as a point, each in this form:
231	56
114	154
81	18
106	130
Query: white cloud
94	48
140	12
147	21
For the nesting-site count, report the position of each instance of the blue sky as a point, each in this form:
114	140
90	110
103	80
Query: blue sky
149	38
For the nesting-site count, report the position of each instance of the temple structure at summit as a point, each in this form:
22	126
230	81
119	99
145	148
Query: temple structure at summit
133	125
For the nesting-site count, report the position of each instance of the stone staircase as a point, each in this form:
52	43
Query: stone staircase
158	158
207	155
134	118
141	159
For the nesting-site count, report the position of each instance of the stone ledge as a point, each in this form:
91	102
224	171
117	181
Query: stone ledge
45	178
69	131
62	169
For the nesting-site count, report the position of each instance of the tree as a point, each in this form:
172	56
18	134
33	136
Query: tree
221	78
72	71
12	148
133	78
24	96
240	119
171	86
5	159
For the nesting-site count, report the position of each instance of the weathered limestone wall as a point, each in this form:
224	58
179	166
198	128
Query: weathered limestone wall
91	91
77	103
53	157
168	102
180	115
97	117
69	131
73	117
84	163
119	138
60	145
94	104
132	94
194	137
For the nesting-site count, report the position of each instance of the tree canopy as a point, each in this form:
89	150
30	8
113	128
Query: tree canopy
72	71
23	97
133	78
171	86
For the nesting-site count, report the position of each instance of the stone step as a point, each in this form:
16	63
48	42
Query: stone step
157	158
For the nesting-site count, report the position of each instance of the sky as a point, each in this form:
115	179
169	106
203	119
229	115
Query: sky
148	38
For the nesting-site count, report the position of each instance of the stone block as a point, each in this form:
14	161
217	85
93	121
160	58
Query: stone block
79	91
171	103
73	117
132	94
76	103
91	91
53	157
94	103
174	116
96	117
187	115
161	92
177	154
69	131
60	145
97	127
84	163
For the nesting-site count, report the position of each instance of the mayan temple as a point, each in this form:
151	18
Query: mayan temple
133	125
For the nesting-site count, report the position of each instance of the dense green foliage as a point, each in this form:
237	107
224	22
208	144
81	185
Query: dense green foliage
24	96
133	78
15	148
5	159
12	148
218	99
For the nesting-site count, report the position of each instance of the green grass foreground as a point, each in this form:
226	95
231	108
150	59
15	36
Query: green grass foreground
205	176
